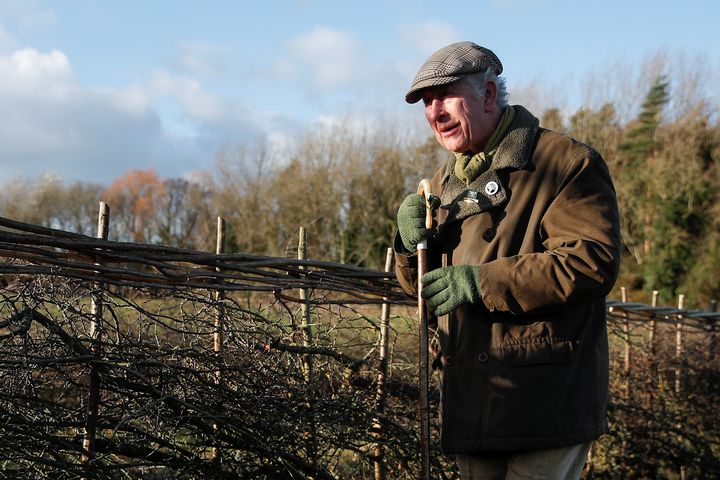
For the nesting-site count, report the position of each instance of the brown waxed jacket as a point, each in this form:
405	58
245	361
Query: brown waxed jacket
528	368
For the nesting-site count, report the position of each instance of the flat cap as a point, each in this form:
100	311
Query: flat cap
450	64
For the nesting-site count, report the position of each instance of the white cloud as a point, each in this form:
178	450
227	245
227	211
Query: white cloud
51	123
426	37
203	60
189	93
34	87
336	71
132	100
30	72
325	59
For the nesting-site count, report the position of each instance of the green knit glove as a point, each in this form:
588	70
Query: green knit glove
447	288
411	221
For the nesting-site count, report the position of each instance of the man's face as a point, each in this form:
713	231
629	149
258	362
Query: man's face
457	117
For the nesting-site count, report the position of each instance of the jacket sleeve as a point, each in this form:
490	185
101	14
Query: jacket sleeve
580	233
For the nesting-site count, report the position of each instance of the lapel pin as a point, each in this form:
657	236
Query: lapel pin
491	188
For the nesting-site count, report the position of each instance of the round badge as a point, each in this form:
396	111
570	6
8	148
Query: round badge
491	188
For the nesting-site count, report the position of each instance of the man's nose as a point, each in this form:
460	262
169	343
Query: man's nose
435	109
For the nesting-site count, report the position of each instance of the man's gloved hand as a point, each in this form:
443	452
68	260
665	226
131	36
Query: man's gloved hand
411	221
447	288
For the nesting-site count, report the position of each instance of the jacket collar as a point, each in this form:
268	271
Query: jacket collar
487	191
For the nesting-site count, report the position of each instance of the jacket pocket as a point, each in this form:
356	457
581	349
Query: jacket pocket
530	342
535	351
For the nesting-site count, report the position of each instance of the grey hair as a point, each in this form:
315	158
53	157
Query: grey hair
477	82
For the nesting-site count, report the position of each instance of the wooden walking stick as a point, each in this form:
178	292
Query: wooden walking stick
424	189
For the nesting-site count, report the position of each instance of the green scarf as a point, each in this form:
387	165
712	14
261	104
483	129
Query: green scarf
468	167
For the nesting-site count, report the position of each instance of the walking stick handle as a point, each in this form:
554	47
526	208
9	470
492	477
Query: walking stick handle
424	189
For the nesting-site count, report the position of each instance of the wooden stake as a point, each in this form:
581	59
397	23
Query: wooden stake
305	324
626	337
679	360
219	323
651	334
678	344
307	361
379	452
219	295
96	311
653	378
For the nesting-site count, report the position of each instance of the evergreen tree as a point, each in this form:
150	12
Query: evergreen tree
640	141
637	151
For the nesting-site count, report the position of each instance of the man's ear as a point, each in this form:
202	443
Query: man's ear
490	98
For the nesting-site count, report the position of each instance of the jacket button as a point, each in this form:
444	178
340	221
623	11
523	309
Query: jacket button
488	234
448	361
483	357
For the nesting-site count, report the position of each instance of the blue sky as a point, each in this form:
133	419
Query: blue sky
90	89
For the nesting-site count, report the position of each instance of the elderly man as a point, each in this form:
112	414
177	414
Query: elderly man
528	225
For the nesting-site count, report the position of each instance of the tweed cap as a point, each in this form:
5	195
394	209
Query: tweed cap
450	64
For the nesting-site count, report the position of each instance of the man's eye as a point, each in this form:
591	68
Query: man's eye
439	96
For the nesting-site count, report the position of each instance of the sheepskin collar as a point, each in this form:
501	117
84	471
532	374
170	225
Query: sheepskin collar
487	190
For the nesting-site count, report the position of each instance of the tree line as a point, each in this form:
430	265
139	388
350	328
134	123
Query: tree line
344	187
